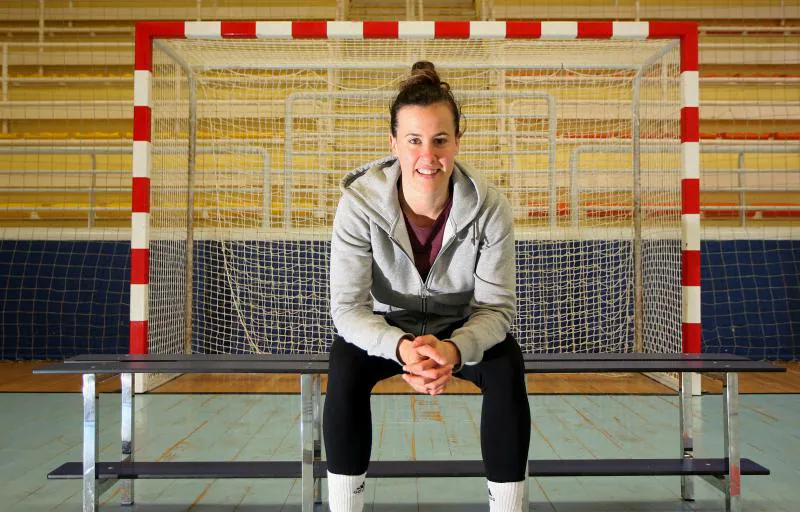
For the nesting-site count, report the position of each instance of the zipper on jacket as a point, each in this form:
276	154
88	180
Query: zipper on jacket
430	271
424	310
410	259
441	250
424	284
427	280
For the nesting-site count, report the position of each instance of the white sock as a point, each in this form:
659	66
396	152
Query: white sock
506	496
346	492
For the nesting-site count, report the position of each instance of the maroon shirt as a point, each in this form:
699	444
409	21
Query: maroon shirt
427	241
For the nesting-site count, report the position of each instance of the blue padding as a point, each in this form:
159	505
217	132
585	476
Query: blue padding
63	298
60	299
751	298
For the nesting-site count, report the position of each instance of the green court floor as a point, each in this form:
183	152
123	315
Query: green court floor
39	431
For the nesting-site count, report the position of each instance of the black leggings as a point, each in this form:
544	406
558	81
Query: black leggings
505	415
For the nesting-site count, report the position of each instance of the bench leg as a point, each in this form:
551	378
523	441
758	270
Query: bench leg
317	388
90	444
730	404
687	434
310	440
126	434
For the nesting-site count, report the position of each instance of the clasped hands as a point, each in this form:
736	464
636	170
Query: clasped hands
428	363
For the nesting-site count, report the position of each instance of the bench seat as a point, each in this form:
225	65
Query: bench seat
318	364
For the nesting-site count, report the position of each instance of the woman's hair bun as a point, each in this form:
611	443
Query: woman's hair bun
423	73
423	87
422	65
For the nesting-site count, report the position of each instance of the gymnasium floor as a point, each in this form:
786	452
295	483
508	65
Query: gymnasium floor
39	431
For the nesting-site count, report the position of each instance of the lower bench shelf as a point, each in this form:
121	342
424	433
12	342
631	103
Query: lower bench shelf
404	468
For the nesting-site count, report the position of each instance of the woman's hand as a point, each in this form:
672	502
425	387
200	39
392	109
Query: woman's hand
430	386
421	370
443	352
408	353
430	367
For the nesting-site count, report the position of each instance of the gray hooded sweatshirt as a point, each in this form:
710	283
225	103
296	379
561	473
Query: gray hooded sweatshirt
373	276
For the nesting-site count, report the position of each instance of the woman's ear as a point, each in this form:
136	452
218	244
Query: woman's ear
393	144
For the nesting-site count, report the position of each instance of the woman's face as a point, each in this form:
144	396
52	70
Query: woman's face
426	145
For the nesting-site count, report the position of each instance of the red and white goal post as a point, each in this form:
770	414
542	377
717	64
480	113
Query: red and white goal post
242	131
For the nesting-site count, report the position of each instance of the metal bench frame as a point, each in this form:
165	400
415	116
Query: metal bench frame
723	473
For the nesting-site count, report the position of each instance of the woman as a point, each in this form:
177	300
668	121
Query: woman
423	284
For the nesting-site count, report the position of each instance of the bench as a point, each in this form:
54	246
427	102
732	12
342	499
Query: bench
723	473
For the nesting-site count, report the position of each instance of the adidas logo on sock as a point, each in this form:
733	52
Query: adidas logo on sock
491	498
359	489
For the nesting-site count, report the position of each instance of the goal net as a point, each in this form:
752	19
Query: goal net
251	136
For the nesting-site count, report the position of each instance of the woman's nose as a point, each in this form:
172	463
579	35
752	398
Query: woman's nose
428	151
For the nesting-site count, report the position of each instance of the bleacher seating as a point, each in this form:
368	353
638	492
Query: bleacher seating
76	87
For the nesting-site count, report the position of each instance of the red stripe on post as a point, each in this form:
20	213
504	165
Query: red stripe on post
238	29
141	123
451	30
138	341
670	29
595	29
690	195
140	195
690	268
143	49
140	266
309	29
687	32
689	51
523	30
381	30
690	124
692	338
145	32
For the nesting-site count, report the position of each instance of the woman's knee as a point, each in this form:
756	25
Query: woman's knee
503	369
348	368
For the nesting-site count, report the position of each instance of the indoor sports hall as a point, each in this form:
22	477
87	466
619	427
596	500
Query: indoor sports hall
169	177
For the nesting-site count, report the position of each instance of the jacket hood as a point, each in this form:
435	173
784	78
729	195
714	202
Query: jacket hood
373	187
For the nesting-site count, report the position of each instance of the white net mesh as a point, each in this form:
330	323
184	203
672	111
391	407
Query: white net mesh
583	137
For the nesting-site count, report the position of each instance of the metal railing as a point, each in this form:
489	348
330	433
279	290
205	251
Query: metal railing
92	191
739	171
